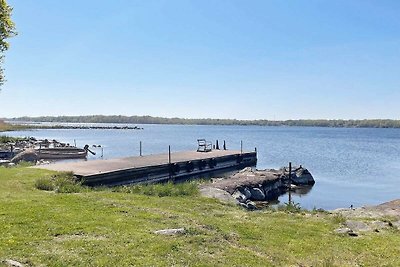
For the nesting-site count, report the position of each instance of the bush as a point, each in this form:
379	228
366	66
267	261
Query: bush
44	184
60	183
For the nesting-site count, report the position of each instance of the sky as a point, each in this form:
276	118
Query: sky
277	60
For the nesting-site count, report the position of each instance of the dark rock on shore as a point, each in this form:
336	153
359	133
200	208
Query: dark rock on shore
262	185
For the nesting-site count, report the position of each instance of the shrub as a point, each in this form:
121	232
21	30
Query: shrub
60	183
44	184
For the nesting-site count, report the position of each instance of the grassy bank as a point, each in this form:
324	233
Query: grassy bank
115	228
5	127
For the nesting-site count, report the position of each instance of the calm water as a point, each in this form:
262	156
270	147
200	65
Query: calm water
350	166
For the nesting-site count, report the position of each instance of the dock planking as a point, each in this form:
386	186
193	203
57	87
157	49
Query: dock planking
154	168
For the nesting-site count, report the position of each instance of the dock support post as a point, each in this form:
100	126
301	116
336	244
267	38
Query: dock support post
140	144
169	154
102	152
290	182
75	142
224	145
216	145
241	147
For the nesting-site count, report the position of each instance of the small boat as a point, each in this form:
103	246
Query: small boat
61	153
4	154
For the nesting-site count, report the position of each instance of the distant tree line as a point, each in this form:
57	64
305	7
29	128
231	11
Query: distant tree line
378	123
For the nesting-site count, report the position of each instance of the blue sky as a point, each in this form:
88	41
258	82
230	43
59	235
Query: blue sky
200	59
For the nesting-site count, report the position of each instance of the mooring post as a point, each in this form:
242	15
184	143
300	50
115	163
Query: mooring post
241	147
140	144
75	142
169	163
224	145
11	151
102	152
216	145
290	182
169	154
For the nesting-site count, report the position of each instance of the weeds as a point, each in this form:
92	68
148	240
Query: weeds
60	183
290	207
161	190
338	219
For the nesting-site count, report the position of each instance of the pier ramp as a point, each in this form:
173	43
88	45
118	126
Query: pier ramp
155	168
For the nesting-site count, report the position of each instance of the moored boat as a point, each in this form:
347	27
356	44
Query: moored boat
61	153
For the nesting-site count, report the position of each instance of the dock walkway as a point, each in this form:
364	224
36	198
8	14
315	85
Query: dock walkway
153	167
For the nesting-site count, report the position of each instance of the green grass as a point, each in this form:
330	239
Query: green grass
4	127
114	227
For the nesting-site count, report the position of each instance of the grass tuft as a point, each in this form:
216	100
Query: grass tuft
161	190
64	182
290	207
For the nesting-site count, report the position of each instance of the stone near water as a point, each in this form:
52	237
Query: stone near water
219	194
245	191
251	205
257	194
239	196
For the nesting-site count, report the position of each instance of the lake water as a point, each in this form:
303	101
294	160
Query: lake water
351	166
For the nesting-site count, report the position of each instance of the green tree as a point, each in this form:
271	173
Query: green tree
7	30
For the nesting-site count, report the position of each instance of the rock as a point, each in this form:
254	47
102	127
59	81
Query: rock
345	231
27	155
251	205
257	194
378	225
170	231
245	191
13	263
303	177
247	169
239	196
357	226
273	189
219	194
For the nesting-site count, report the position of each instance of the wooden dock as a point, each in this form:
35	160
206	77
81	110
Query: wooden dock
155	168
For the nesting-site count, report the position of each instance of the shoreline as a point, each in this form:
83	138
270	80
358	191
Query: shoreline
328	123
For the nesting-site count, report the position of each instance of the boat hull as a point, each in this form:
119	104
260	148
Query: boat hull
61	153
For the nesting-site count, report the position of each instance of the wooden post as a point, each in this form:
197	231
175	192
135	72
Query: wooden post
11	151
74	142
102	152
169	154
169	163
290	182
255	149
224	145
241	147
140	153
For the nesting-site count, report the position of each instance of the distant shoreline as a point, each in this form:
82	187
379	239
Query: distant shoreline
367	123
